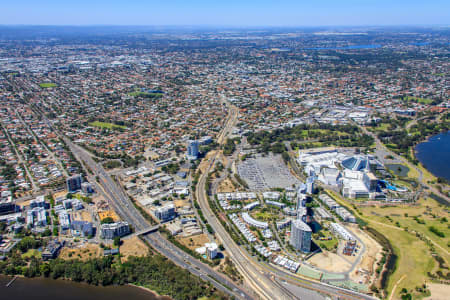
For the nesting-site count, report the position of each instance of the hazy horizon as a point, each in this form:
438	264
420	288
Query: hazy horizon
232	13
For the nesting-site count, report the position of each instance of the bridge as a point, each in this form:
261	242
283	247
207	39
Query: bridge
147	230
143	232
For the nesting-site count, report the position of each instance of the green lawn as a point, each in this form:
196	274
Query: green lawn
419	100
380	127
321	132
82	198
106	125
31	253
328	244
46	85
427	210
308	272
414	256
145	95
265	216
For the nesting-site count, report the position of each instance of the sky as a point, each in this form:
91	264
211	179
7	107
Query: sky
225	12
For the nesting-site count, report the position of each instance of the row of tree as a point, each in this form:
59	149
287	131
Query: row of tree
153	271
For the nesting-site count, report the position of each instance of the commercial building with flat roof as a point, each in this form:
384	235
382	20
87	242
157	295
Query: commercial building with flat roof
74	183
192	150
165	213
112	230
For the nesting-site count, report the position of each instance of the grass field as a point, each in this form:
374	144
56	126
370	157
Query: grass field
31	253
413	173
419	100
414	255
265	216
319	132
105	125
46	85
427	176
428	211
145	95
327	244
380	127
414	259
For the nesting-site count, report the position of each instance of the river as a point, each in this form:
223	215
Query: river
434	154
47	289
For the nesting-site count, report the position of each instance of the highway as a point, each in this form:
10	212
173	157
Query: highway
260	275
117	198
259	281
125	208
263	278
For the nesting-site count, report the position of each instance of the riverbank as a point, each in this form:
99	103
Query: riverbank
154	294
434	155
154	272
41	288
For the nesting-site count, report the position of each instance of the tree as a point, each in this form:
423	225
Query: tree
117	241
28	243
47	232
107	220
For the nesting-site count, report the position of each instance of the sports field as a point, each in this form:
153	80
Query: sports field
106	125
46	85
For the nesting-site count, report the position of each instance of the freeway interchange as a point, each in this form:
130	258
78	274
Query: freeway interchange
263	278
123	206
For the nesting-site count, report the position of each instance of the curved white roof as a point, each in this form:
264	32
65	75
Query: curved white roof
251	221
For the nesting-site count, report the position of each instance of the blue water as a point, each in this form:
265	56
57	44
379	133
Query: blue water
420	44
374	46
434	154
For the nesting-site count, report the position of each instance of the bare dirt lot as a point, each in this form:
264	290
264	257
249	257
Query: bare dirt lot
133	247
108	213
194	242
181	203
82	216
330	262
205	163
85	252
226	186
370	256
438	291
222	158
60	194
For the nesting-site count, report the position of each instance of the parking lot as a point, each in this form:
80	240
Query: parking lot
263	173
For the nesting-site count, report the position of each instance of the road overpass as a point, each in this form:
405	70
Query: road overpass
125	208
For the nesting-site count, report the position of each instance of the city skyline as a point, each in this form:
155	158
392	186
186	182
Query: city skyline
250	13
